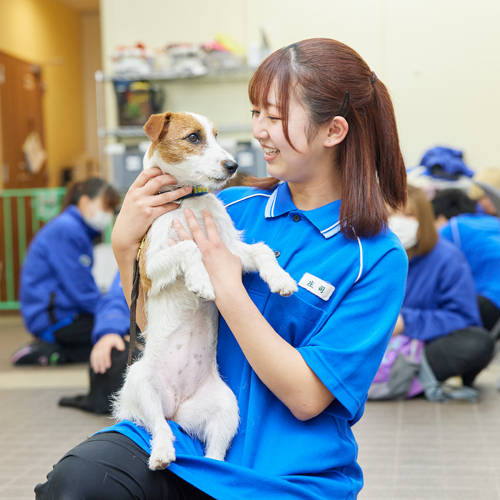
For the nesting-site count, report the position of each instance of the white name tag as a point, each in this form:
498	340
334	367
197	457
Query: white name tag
320	288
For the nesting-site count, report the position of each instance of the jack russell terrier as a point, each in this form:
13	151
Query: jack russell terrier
177	377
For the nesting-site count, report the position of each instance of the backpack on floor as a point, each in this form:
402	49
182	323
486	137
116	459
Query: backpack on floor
405	372
396	377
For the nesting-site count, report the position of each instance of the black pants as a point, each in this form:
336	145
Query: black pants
490	313
462	353
110	466
74	341
102	385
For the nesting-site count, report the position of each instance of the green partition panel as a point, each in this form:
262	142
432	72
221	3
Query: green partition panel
19	226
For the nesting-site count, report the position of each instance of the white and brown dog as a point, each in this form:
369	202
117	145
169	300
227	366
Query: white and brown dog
176	377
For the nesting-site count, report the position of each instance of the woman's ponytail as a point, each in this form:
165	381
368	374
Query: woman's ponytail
391	170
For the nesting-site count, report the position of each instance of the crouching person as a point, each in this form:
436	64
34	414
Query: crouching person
58	292
440	314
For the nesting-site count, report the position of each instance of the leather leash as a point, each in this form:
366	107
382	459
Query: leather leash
133	303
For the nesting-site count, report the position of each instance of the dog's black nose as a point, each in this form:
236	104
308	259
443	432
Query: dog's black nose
231	166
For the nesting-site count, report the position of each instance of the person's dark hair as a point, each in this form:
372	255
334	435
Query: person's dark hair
93	188
318	73
452	202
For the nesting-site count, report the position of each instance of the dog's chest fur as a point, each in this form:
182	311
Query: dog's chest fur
185	357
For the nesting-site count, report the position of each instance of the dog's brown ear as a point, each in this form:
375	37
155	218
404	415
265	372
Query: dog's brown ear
154	126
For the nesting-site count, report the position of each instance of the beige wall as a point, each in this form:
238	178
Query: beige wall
47	32
438	58
91	62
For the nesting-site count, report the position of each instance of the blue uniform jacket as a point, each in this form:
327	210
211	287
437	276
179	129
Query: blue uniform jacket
112	314
440	295
342	336
478	237
57	274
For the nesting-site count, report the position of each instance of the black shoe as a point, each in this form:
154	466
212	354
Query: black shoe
85	403
102	386
38	353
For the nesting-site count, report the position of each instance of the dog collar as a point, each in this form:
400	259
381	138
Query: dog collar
196	191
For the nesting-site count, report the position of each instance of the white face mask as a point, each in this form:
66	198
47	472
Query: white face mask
405	229
99	220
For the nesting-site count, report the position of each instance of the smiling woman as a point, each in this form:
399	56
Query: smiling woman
303	87
299	366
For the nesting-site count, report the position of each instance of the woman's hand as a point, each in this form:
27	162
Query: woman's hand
223	267
100	357
141	207
400	326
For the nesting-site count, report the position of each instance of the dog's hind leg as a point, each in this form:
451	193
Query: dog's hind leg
212	416
140	401
259	257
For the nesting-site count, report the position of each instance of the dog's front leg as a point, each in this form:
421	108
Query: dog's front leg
259	257
165	266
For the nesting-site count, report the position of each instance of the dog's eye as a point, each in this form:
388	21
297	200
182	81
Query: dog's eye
194	138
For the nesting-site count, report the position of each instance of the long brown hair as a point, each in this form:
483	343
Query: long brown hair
421	208
318	73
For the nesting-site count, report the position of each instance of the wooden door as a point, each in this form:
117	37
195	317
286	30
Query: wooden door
21	112
21	93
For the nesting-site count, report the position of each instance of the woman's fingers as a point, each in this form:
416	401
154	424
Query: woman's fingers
156	182
170	196
181	230
210	226
194	226
146	175
197	232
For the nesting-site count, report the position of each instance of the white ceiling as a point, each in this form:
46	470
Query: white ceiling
82	5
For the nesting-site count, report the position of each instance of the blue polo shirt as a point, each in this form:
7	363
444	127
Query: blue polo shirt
478	237
342	338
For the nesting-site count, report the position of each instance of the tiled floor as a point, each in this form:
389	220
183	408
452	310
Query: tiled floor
408	450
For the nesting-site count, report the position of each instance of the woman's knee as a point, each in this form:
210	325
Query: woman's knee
105	466
461	352
71	478
478	343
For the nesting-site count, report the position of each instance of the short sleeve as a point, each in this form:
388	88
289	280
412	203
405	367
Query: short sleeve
346	353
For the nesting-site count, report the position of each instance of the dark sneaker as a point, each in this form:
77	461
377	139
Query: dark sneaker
86	403
38	353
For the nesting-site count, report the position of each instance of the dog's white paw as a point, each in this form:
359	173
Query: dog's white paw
203	290
161	457
283	284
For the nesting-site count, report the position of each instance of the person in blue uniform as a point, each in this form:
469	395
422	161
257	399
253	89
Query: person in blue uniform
484	204
300	366
440	305
58	294
108	358
477	235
